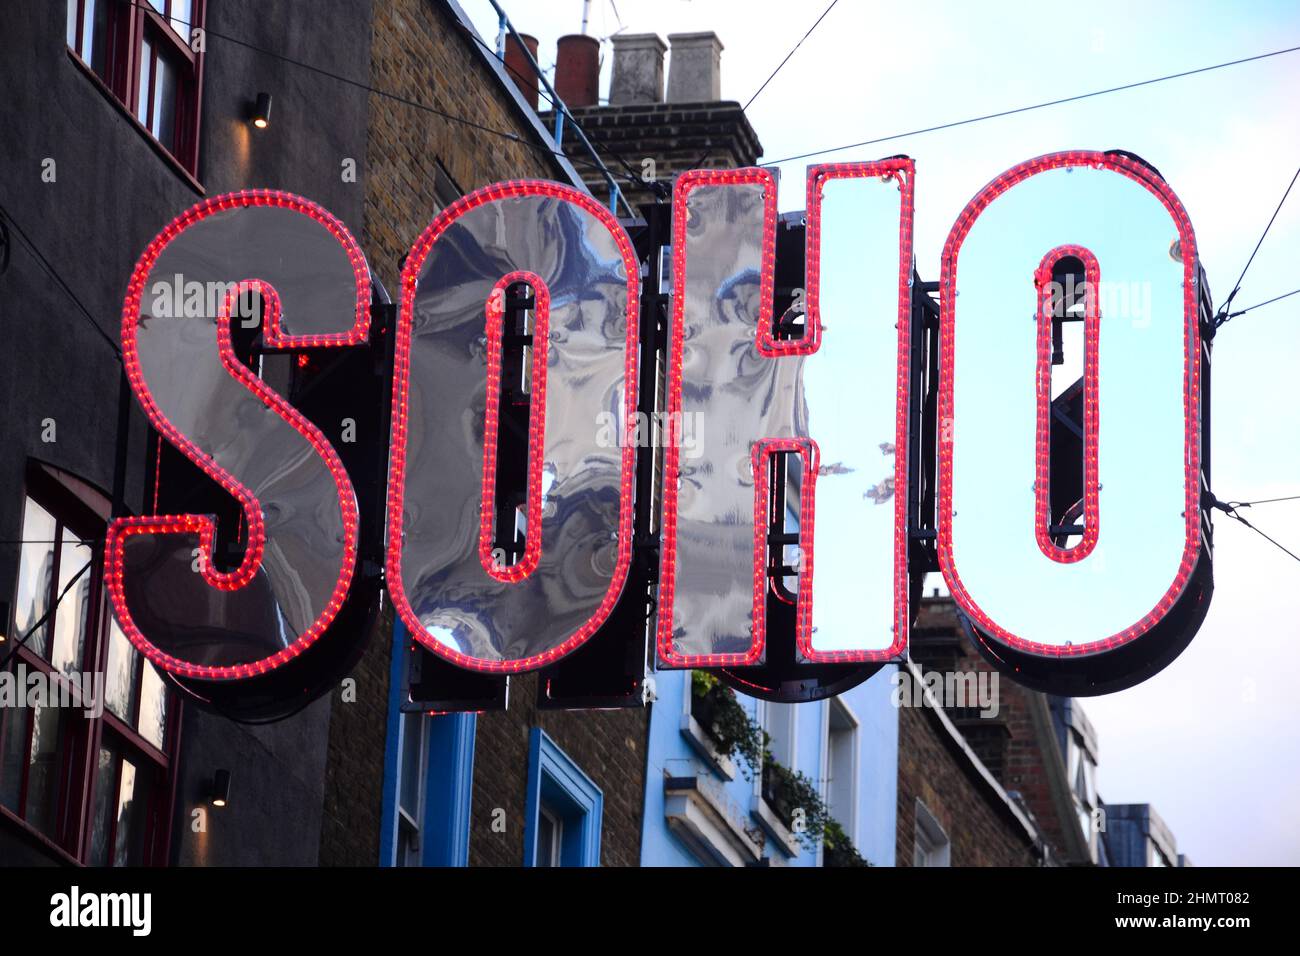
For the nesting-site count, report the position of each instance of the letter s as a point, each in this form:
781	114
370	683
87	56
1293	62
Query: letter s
298	503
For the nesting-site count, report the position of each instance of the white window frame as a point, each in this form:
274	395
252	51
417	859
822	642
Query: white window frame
412	825
845	714
932	847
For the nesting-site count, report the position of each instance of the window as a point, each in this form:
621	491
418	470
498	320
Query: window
781	723
933	847
93	780
564	808
1083	783
142	53
411	789
842	766
428	776
550	837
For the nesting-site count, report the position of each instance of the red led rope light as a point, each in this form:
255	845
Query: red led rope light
1091	406
761	453
1142	175
401	390
672	452
123	528
536	426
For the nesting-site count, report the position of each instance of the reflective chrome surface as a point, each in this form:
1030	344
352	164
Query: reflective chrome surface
841	396
1141	417
460	607
170	603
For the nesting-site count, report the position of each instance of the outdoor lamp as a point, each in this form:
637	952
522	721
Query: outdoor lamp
262	111
221	788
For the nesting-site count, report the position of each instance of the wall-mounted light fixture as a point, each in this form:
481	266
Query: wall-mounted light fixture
220	796
262	111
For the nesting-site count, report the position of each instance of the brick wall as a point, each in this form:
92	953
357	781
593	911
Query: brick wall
1028	759
610	747
982	834
420	52
674	137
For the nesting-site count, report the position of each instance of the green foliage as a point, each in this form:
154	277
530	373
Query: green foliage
793	796
838	849
715	707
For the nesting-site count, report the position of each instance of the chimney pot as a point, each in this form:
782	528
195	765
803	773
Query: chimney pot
638	75
518	67
577	70
695	74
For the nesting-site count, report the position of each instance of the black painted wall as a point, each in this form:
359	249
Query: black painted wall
113	192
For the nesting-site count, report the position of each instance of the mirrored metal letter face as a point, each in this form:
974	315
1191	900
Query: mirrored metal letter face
832	401
445	569
1135	535
300	512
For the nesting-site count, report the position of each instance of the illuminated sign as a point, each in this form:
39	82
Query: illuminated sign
829	432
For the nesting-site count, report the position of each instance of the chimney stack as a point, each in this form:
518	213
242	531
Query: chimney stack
520	70
695	74
638	69
577	70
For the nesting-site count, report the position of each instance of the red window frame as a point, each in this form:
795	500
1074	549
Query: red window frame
130	25
81	737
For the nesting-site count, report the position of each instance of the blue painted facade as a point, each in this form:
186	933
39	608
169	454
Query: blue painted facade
428	775
700	810
429	785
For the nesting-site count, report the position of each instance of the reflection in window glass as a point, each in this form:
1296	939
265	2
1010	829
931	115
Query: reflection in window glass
132	817
70	615
43	769
93	48
153	707
146	59
164	103
182	16
13	748
35	573
412	753
102	822
410	790
120	674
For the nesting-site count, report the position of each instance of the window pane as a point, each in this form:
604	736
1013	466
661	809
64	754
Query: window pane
132	816
412	744
548	838
13	748
153	707
71	613
164	103
408	843
182	16
72	23
120	680
94	35
35	574
101	823
146	59
43	769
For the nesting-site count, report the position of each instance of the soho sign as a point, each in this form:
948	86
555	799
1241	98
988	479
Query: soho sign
838	401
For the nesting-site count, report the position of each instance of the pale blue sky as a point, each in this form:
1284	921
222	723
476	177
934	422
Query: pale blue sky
1212	741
